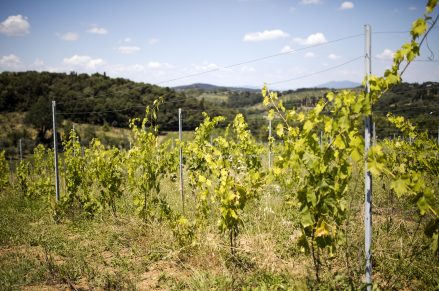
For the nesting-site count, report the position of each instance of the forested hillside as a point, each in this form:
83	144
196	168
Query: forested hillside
417	102
95	99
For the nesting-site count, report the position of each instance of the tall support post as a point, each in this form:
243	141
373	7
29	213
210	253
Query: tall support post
73	128
367	174
55	150
181	157
269	143
374	136
21	150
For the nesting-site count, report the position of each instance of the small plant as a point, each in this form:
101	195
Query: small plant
412	169
4	171
42	184
148	162
78	195
23	177
227	172
105	172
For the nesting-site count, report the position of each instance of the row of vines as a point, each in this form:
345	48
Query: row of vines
225	174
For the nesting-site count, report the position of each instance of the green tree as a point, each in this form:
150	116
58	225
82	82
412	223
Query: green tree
39	117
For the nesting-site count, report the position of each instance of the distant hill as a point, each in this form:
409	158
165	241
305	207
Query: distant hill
95	99
417	102
214	88
210	87
98	99
339	85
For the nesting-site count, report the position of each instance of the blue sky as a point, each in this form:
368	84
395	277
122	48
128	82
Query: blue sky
159	41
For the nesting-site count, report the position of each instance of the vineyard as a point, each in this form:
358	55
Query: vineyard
285	215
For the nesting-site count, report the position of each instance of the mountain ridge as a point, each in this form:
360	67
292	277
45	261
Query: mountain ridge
344	84
211	87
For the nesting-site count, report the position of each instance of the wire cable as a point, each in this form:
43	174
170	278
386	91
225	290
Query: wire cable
401	109
424	37
391	32
318	72
97	112
415	60
259	59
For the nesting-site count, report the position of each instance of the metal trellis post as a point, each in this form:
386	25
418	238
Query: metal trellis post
367	174
55	150
21	150
269	144
181	157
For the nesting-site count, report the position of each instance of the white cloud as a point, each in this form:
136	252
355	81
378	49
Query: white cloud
84	61
387	54
38	62
97	30
154	65
310	2
346	5
286	49
10	61
206	67
15	25
265	35
292	9
333	57
152	41
310	55
316	38
247	69
69	36
136	68
412	8
128	49
158	65
127	68
125	40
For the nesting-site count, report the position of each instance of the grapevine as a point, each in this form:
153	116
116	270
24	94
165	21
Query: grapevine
42	184
148	162
23	171
233	176
105	172
3	170
77	196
